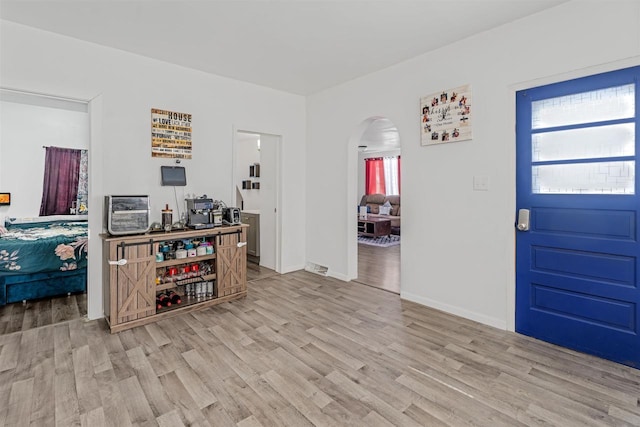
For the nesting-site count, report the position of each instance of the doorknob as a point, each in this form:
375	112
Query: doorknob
523	220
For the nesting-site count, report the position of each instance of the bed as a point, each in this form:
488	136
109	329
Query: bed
42	257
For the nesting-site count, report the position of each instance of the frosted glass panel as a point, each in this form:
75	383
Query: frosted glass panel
587	107
585	178
584	143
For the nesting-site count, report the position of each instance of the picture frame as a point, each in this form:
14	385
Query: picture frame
446	116
5	199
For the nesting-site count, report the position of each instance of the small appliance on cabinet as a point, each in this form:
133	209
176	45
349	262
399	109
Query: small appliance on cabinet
231	216
200	213
127	214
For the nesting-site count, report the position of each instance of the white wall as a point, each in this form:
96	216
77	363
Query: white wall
124	88
457	244
24	130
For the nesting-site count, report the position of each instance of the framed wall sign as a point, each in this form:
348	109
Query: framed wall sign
445	116
170	134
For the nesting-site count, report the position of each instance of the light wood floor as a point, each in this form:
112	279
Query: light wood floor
305	350
379	267
32	314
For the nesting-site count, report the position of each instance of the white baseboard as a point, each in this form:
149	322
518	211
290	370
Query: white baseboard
457	311
338	276
291	268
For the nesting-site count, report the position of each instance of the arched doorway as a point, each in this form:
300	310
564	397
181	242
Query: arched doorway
374	260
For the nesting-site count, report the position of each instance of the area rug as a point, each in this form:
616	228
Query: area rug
383	241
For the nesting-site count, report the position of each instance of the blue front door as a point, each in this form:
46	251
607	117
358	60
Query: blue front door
578	258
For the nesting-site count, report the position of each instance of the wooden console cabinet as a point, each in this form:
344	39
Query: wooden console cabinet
133	276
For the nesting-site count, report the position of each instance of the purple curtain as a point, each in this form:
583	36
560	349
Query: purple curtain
60	187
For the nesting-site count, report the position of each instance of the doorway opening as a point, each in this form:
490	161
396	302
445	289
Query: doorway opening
256	192
50	138
378	220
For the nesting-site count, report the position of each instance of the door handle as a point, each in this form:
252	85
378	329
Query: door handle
523	220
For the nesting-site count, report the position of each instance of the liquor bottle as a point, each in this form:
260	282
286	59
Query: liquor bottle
162	300
174	297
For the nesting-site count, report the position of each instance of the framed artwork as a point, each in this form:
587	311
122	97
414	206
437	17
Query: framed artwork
446	116
170	134
5	199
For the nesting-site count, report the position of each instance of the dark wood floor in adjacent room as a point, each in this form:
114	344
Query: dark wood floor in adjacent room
306	350
379	267
20	316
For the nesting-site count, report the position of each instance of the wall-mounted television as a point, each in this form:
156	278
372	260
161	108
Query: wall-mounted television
173	175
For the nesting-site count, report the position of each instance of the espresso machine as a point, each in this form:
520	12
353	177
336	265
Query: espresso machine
202	213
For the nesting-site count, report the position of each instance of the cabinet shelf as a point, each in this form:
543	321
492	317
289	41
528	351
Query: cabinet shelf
186	301
171	285
187	260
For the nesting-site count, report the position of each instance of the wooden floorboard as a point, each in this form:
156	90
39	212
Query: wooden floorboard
306	350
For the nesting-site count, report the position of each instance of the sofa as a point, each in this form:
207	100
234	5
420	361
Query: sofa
373	202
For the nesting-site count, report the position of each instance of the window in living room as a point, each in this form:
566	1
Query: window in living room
382	175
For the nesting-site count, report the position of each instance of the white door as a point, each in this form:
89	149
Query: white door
269	167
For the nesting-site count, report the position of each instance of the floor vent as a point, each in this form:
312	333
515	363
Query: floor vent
316	268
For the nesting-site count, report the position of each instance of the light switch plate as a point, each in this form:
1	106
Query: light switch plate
480	183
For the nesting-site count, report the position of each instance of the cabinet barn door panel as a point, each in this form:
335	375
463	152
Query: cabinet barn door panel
135	297
231	263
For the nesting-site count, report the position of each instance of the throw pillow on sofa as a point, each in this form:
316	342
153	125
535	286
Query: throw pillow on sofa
385	210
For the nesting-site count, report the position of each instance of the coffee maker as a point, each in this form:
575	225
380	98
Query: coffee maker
200	213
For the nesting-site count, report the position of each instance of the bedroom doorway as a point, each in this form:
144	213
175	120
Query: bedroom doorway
36	123
378	184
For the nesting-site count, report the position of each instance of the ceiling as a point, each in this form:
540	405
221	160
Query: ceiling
298	46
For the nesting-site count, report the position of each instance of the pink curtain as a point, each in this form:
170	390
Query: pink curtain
374	176
60	186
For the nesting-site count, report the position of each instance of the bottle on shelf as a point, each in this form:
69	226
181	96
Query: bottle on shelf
162	300
174	297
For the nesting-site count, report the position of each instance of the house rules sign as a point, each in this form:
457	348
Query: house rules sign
446	116
170	134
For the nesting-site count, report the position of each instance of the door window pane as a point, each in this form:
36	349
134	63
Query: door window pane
594	142
586	107
584	178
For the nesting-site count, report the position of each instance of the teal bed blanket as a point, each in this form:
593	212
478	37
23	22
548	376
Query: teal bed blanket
43	247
